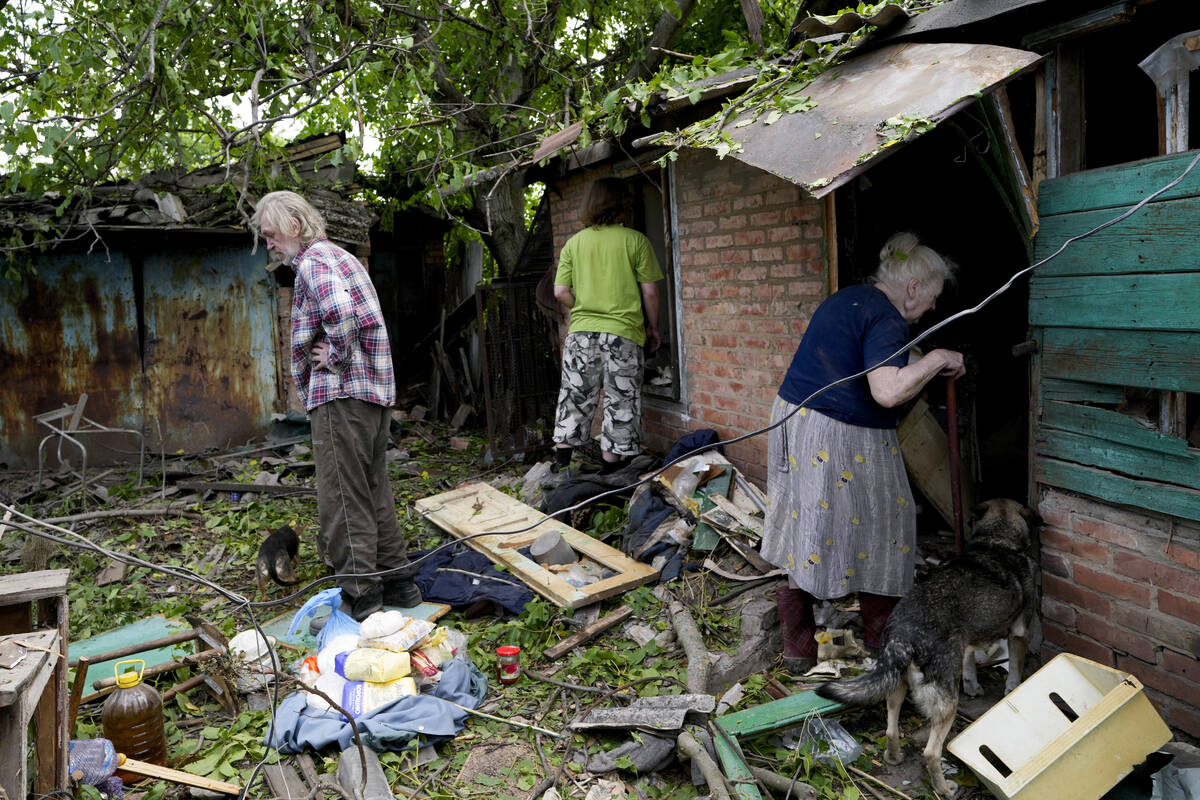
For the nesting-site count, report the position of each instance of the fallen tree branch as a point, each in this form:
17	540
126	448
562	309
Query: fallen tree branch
126	512
782	783
692	749
693	646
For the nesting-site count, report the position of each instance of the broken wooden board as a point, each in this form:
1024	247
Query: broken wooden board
773	716
589	632
663	713
752	525
480	508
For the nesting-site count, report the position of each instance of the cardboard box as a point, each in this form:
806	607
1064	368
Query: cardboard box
1073	729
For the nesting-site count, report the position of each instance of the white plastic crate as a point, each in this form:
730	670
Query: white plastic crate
1073	730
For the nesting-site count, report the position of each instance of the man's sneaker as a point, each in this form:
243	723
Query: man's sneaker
402	594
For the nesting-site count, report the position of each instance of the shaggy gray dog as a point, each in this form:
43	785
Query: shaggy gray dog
973	599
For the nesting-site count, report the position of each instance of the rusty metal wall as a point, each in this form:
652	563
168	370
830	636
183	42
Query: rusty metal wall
209	375
69	329
212	347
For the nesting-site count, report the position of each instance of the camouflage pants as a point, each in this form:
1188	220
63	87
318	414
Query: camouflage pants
592	362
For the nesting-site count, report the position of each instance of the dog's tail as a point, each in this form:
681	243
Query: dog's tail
876	684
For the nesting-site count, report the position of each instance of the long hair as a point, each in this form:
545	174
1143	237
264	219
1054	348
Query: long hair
605	202
281	209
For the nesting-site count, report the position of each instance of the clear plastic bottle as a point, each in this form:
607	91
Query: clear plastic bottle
133	718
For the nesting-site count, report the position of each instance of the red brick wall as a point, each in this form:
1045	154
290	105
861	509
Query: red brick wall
752	270
1123	588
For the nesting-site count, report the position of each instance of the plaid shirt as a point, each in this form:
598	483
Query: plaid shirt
334	301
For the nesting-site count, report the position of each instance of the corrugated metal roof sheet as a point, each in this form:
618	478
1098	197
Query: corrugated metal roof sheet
822	148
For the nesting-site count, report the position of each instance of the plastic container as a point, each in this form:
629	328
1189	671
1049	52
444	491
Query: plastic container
1073	729
508	663
133	718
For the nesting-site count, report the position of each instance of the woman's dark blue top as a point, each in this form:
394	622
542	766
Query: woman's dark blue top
854	328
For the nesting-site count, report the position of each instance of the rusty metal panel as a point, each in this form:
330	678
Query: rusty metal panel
212	347
822	148
70	328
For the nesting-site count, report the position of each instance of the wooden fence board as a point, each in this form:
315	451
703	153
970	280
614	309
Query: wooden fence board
479	508
1080	391
1159	238
1110	425
1120	185
1118	457
1166	499
1168	302
1147	359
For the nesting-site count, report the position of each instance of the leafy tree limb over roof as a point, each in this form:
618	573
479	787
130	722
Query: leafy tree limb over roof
433	93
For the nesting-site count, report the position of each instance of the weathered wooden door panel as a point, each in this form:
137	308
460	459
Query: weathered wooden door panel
1145	359
1122	185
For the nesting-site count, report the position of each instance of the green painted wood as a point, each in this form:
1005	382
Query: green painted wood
1163	302
1110	425
778	714
1121	185
1080	391
1178	502
143	630
1145	359
704	538
733	763
1093	451
1159	238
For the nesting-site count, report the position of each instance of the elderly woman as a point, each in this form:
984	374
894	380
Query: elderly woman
842	517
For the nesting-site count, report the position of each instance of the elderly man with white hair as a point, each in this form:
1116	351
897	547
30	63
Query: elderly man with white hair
342	366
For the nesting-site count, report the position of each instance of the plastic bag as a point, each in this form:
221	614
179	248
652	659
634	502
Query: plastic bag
340	623
828	740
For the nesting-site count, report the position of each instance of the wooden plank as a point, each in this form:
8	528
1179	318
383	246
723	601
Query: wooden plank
752	525
1169	302
1120	185
779	714
733	764
1110	425
1080	391
1119	457
175	775
285	782
1166	499
479	508
1159	238
25	587
1145	359
590	632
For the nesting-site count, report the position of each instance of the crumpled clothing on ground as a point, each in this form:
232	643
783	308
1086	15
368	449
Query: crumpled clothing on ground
440	584
388	727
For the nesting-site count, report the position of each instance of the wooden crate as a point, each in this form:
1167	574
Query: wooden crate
480	508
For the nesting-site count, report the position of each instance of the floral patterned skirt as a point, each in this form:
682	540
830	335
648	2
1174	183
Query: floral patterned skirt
841	517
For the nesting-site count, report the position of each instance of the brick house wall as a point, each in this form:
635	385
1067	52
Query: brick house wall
752	270
1122	587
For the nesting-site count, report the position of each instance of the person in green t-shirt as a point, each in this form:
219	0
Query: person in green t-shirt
606	274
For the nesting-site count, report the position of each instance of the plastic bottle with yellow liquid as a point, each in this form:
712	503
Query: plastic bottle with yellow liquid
132	718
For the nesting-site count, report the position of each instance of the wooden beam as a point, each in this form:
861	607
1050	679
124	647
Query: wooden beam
590	632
